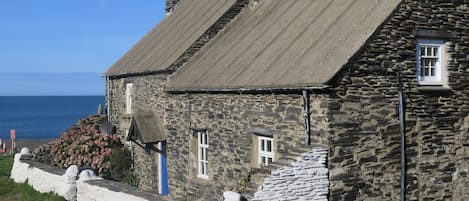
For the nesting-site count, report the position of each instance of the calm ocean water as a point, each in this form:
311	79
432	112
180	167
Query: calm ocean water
43	117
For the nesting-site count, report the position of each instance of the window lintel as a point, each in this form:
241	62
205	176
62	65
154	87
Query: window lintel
261	132
434	34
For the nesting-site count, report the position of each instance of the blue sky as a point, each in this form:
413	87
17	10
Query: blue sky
61	47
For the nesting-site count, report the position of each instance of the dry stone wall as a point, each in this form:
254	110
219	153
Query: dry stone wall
365	139
305	179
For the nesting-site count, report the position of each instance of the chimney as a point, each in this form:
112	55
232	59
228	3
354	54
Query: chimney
171	6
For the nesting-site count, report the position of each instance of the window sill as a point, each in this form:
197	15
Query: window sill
202	177
201	181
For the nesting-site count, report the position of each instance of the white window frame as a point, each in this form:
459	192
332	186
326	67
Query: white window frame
263	151
128	98
439	69
202	159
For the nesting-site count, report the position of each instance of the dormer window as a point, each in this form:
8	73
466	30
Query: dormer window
430	62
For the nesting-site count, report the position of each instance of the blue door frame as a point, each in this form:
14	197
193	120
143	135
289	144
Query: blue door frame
164	170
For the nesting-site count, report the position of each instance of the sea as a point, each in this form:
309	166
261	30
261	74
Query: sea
44	117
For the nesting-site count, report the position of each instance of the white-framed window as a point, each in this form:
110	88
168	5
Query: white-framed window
202	161
266	151
430	62
128	98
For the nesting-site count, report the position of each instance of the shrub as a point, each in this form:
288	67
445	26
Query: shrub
85	145
121	166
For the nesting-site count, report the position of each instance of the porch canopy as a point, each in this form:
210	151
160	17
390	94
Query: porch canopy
147	127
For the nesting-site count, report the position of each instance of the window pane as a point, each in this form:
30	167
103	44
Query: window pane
269	146
269	160
427	73
205	138
422	51
263	160
262	145
206	169
200	138
432	71
435	51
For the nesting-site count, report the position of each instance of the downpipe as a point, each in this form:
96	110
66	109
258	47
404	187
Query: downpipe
306	115
402	129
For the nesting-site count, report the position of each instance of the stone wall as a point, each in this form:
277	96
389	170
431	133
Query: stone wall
305	179
147	94
230	120
45	178
365	139
105	190
41	177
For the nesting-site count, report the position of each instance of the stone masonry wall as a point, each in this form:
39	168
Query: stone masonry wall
365	155
147	94
229	120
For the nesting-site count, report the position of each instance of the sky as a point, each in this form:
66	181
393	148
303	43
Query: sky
62	47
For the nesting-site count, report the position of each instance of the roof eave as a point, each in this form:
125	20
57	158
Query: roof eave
247	89
142	73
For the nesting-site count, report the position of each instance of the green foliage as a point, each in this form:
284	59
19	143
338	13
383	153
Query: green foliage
120	167
11	191
6	163
243	181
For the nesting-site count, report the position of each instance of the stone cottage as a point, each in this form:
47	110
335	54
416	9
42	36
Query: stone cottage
298	99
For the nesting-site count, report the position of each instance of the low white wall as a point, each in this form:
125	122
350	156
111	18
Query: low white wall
87	188
40	180
88	192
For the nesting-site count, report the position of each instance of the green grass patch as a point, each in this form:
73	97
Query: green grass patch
11	191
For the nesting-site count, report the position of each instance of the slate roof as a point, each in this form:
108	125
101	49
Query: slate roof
283	44
163	45
148	127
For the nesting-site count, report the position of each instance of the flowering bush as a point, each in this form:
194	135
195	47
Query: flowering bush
85	145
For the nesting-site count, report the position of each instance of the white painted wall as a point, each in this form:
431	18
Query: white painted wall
45	182
88	192
40	180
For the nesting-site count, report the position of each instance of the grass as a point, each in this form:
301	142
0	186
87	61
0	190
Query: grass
11	191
